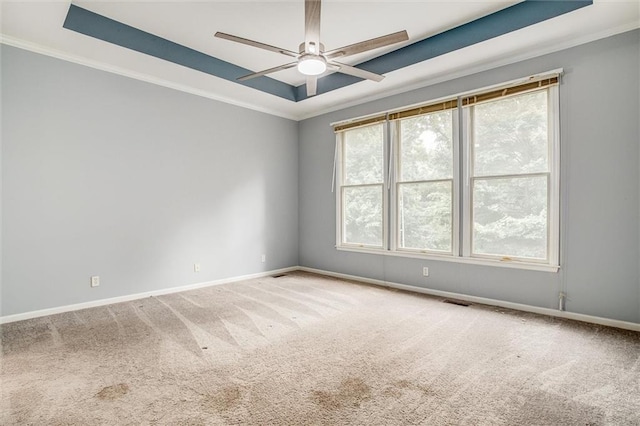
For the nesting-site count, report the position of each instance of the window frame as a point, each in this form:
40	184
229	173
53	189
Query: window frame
396	182
462	214
553	181
340	178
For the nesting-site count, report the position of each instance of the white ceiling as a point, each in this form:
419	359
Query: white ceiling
37	26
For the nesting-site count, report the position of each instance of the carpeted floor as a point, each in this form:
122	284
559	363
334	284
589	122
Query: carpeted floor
307	349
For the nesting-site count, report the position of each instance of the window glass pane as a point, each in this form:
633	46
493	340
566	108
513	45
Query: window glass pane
363	215
363	155
510	135
425	215
510	217
426	148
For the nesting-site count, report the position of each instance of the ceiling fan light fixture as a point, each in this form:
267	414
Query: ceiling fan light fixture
312	65
311	57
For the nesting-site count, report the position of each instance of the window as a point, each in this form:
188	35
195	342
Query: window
424	182
470	179
362	192
510	177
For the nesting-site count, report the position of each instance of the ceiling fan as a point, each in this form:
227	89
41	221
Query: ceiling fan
312	60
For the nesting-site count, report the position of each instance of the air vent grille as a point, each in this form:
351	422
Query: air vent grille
456	302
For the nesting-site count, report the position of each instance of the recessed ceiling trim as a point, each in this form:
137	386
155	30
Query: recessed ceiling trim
94	25
510	19
504	21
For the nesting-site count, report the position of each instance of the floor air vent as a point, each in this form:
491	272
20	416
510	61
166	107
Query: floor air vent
456	302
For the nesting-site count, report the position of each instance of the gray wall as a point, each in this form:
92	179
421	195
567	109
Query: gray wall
600	190
105	175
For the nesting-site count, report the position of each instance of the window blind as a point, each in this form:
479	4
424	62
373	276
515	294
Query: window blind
424	109
397	115
360	123
521	88
550	79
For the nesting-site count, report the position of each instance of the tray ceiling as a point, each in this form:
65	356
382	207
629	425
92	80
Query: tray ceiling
172	43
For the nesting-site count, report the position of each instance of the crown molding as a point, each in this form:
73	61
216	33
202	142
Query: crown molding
76	59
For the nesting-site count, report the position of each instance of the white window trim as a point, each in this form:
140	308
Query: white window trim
394	183
513	264
339	177
461	242
553	191
392	134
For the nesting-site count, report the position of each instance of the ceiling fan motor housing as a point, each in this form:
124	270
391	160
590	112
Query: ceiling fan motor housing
301	48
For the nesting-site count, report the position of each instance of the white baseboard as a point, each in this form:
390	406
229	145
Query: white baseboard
484	301
76	307
481	300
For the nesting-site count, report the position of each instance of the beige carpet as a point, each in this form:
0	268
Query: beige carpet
306	349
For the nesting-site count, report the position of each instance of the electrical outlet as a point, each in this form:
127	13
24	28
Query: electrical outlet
425	272
196	267
95	281
264	258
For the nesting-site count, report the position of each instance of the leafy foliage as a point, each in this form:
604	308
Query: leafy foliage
510	135
363	155
425	188
363	164
510	179
363	215
510	213
425	215
510	217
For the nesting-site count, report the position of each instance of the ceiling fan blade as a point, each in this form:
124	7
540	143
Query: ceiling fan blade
363	46
312	26
312	85
256	44
269	71
357	72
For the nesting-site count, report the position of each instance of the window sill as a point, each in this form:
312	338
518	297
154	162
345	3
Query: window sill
456	259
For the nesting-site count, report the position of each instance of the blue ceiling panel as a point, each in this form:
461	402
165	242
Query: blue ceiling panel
103	28
513	18
518	16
